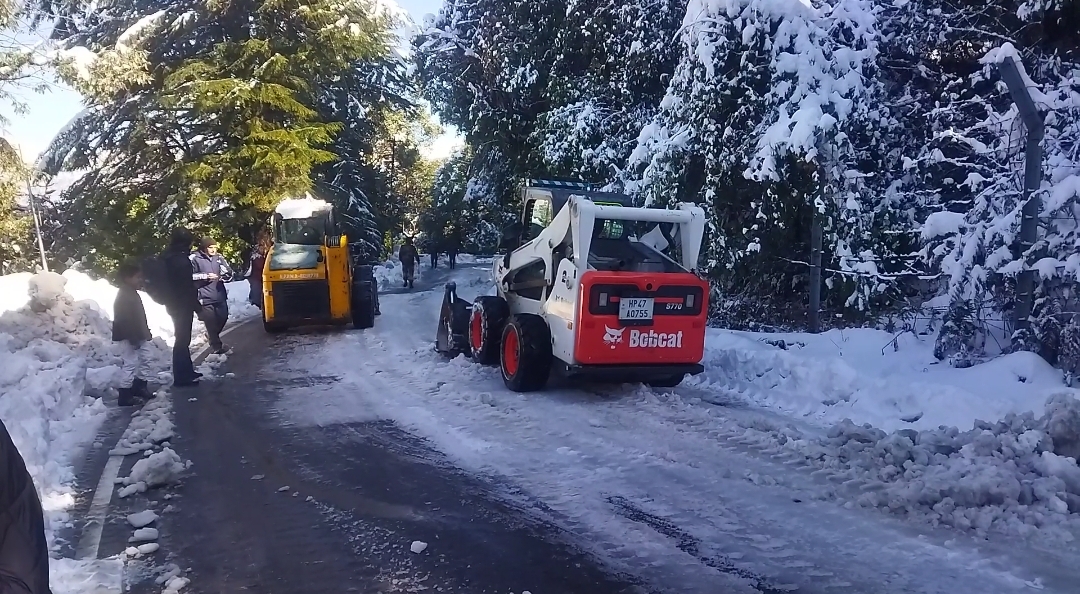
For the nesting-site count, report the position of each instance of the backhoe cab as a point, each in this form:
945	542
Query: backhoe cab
309	278
587	288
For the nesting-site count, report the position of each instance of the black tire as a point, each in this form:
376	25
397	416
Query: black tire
526	353
364	314
363	307
486	321
667	382
273	327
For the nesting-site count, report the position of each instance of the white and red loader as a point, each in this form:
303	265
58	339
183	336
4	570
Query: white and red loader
587	288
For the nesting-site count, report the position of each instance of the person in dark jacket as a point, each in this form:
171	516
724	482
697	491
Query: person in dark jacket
453	245
24	552
210	272
409	260
131	330
258	261
182	303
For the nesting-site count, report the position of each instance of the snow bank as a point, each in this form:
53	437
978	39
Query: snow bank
58	356
239	307
1015	477
387	274
864	376
909	435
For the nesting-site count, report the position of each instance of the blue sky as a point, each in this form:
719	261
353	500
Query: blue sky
51	110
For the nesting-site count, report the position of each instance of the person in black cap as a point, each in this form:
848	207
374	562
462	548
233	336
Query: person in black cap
210	272
181	301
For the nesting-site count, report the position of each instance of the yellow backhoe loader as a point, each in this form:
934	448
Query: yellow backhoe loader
309	278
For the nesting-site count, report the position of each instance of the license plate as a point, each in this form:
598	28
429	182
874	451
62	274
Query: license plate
636	308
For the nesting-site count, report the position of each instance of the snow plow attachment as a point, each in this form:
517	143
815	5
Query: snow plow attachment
452	337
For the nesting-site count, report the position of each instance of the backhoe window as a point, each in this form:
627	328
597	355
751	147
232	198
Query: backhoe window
616	247
610	229
539	219
302	231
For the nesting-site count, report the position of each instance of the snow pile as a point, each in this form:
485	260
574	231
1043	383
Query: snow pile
240	308
149	427
387	274
57	354
869	376
1017	476
156	470
86	576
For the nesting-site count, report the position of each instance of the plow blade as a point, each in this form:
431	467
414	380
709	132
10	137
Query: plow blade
452	337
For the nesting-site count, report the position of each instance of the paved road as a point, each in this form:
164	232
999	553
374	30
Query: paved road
358	495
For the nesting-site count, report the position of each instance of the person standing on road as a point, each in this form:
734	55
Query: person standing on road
409	259
182	302
258	261
453	244
210	272
131	330
24	552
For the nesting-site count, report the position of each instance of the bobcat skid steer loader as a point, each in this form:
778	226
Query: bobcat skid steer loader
586	289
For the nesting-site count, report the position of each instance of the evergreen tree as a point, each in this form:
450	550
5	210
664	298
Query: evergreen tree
208	115
612	60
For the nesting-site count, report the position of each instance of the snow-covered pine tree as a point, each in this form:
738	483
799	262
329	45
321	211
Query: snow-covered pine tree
972	167
484	65
368	88
770	104
612	62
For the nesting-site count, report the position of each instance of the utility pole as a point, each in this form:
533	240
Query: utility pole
37	219
1029	219
815	241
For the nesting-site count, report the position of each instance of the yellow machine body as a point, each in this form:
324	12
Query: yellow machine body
308	276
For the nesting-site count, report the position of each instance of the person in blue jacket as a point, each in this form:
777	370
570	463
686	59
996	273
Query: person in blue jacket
210	272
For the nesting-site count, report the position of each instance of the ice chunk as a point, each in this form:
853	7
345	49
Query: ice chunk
159	469
142	519
144	535
418	546
132	489
175	585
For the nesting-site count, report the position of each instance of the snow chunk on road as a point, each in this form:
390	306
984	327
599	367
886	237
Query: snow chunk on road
131	489
142	519
149	427
418	546
144	535
175	585
156	470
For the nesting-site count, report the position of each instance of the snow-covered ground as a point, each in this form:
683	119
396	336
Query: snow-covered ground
749	476
58	362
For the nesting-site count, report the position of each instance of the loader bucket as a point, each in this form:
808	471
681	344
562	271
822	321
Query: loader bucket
452	337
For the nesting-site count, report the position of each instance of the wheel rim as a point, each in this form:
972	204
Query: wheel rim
476	331
511	358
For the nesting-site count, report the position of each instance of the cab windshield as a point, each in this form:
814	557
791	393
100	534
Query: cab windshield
309	231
